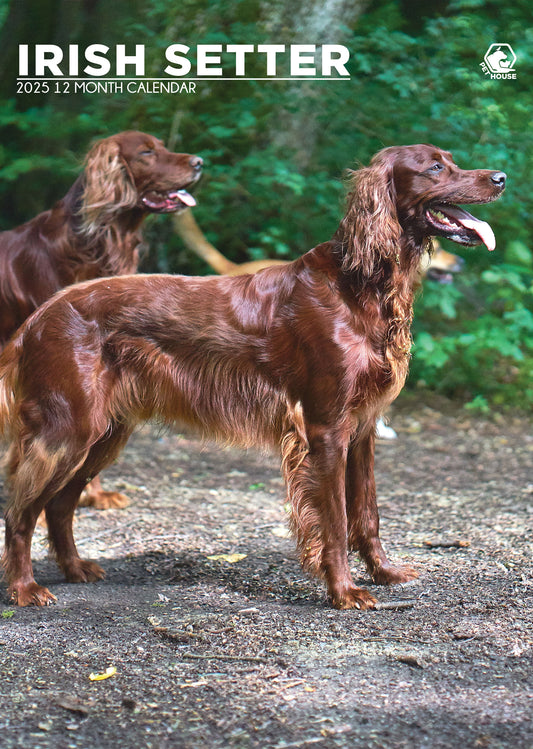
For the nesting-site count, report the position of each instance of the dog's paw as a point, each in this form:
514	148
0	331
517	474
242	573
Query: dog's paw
83	571
101	500
30	594
390	574
353	598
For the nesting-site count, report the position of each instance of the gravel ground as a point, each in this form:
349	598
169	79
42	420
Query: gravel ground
219	640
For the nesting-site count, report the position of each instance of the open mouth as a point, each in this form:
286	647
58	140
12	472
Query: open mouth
456	224
168	202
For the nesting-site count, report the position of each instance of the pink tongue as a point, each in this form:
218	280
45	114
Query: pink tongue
184	196
482	229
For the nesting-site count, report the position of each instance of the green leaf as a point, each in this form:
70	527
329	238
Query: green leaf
479	404
518	253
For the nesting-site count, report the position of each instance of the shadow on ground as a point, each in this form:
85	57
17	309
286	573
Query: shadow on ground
219	640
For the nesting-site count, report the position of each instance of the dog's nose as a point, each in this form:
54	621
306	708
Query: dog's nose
196	162
498	178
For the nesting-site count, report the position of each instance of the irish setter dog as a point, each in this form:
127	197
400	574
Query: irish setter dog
93	231
302	356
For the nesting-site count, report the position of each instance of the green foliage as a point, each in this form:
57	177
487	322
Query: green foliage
275	151
484	349
478	405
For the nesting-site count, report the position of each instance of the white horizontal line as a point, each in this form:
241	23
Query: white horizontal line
177	80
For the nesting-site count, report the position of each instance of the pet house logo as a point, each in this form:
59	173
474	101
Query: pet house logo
499	61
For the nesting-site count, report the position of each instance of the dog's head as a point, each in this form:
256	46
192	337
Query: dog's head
411	193
134	170
161	177
428	185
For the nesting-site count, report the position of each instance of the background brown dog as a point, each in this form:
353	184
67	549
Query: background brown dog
93	231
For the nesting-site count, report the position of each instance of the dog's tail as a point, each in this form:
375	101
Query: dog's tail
9	367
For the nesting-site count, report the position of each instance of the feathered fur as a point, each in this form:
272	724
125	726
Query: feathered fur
302	357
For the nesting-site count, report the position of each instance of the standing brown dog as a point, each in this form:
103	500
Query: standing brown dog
93	231
304	356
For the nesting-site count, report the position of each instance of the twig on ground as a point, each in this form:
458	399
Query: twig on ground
393	605
107	532
243	658
180	635
457	544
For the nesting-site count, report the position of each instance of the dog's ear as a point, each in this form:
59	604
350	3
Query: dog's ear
108	186
370	228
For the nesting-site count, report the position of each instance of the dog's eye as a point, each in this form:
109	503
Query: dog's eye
436	167
148	152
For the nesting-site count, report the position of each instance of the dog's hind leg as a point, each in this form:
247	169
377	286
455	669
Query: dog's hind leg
60	509
16	560
36	474
38	468
59	517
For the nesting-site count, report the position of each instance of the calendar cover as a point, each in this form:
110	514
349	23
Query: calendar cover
192	141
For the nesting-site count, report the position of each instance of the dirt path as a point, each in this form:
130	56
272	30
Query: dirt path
226	653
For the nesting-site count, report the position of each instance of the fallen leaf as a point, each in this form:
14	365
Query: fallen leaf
230	558
111	671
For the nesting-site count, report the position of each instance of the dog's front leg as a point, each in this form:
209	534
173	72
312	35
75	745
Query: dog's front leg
316	485
363	516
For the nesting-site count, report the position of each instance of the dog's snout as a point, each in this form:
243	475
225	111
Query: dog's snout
196	162
498	178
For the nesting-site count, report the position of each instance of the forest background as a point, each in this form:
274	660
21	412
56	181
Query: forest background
275	151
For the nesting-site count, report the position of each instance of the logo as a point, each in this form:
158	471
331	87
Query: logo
499	61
